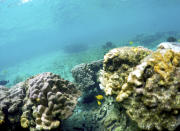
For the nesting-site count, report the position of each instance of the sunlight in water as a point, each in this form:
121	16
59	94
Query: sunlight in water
25	1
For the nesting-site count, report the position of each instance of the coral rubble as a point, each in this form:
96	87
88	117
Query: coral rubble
150	91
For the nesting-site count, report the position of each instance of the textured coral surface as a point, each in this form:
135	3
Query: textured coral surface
116	67
89	116
48	100
150	92
155	102
39	103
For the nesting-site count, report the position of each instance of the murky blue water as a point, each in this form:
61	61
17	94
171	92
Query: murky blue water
31	31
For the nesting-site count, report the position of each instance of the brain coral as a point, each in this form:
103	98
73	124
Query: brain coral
48	100
151	91
116	67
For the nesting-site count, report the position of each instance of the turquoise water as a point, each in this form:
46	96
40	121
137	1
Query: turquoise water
55	35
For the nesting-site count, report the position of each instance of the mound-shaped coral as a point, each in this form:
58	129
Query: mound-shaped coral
116	67
48	100
11	100
86	75
37	103
109	116
155	102
150	94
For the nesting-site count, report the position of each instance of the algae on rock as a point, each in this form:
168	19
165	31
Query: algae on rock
155	103
150	91
109	116
118	63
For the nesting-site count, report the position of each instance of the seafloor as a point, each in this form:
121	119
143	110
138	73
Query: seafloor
61	62
128	85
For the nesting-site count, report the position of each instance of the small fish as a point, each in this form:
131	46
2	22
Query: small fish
99	103
131	42
99	97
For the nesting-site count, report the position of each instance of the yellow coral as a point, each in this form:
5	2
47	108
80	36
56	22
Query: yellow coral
118	63
135	49
164	63
38	100
24	122
151	89
1	121
176	59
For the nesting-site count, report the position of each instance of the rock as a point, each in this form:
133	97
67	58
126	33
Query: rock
86	77
108	116
175	46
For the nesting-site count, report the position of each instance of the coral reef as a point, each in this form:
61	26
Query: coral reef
151	40
171	39
175	46
11	100
118	63
107	46
155	102
86	75
75	48
150	92
108	117
48	100
38	103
